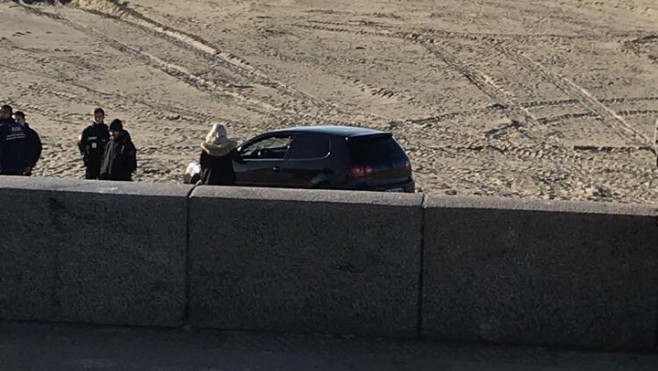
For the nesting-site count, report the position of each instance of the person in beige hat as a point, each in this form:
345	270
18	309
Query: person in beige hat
216	159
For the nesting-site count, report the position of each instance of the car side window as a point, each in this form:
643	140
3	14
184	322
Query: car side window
310	147
270	148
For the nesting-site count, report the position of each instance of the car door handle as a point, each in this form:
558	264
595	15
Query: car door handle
276	168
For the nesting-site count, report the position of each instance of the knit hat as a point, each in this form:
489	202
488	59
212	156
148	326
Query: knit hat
116	125
217	144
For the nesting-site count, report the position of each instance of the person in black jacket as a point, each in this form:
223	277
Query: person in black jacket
14	147
33	139
120	157
217	157
92	143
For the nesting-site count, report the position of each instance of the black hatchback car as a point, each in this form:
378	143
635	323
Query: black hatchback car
325	157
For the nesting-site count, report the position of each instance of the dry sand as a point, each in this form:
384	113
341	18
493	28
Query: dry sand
553	99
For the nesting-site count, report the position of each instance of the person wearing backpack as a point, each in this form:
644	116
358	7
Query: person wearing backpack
120	156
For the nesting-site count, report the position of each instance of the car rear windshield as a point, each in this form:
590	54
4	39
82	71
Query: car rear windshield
375	149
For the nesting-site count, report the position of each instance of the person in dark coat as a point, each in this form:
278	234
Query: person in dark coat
33	139
216	159
120	156
92	144
14	146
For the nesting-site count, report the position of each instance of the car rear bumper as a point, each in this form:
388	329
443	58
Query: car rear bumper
408	186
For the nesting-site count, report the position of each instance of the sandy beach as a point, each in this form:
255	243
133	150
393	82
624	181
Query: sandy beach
527	99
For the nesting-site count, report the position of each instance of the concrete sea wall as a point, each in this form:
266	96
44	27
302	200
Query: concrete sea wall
565	274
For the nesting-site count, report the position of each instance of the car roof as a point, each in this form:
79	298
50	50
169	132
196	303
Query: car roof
337	130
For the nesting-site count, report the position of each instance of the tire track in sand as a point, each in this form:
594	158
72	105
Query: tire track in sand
484	82
487	84
124	13
171	69
586	99
443	50
567	116
159	110
573	101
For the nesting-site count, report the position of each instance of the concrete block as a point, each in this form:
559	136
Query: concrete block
305	261
563	274
92	252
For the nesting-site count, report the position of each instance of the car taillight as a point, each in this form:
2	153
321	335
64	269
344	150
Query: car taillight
360	172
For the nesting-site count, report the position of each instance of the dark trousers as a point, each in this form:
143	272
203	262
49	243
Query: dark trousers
92	172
